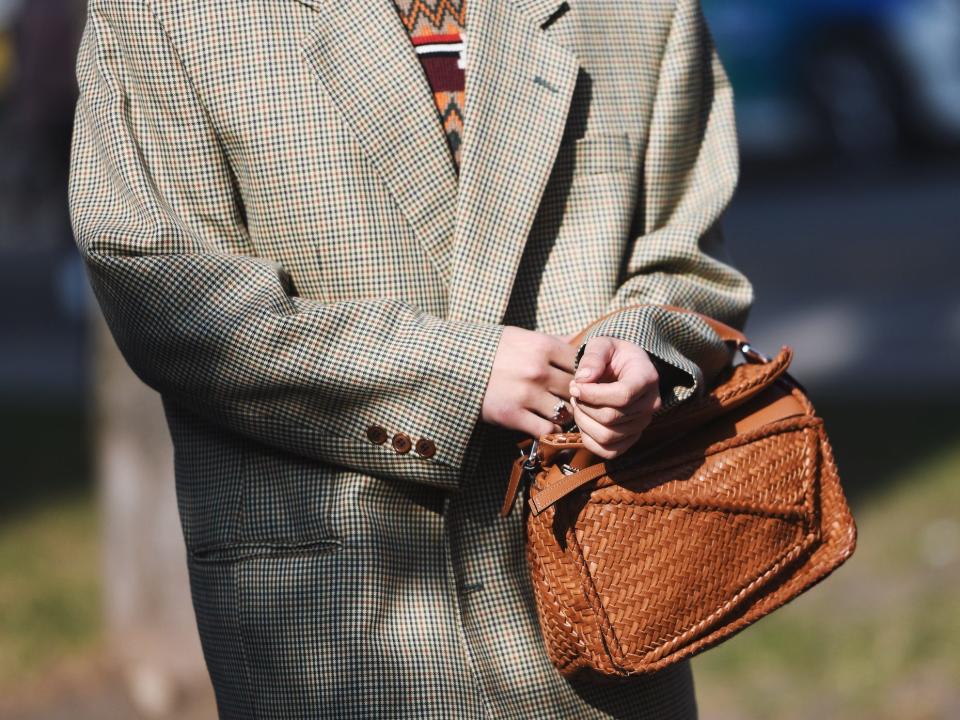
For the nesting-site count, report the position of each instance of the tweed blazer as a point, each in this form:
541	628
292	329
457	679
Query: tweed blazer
272	226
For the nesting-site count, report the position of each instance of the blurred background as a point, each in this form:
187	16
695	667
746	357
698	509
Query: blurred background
847	221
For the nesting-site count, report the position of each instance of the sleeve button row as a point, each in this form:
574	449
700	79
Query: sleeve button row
401	442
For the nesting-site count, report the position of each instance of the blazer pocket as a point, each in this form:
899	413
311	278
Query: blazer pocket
236	552
598	152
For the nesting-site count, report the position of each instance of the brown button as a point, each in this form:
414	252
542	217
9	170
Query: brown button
376	434
401	442
425	448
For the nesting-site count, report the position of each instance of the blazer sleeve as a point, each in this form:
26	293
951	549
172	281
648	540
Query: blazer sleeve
690	172
210	325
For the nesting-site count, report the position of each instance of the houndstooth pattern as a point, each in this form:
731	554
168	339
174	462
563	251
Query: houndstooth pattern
275	234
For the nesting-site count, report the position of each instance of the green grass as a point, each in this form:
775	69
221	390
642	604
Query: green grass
878	639
49	586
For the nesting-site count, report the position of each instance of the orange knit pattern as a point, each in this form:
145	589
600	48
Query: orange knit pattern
436	30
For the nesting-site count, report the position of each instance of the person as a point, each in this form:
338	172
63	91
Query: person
351	333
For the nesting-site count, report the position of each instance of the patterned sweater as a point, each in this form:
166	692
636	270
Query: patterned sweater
436	29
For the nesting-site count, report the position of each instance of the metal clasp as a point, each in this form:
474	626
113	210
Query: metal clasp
532	462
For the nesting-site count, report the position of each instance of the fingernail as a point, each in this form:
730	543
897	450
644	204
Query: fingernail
582	373
575	390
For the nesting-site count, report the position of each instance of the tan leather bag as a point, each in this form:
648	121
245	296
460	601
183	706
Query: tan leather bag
727	507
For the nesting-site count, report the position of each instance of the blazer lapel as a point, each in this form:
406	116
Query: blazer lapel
363	55
519	83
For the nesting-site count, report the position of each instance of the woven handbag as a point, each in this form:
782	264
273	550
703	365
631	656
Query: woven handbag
726	508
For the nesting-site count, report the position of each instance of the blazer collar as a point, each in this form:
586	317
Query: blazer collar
519	83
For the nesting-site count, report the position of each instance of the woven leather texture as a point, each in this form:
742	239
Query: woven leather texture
693	534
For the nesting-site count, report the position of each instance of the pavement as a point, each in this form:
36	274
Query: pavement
858	272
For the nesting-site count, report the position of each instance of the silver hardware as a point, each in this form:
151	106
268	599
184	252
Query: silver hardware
532	463
752	353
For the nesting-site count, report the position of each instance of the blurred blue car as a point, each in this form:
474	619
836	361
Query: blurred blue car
859	77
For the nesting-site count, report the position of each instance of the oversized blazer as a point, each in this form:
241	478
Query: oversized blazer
273	228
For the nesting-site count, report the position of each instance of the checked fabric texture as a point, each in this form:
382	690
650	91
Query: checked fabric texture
282	248
437	33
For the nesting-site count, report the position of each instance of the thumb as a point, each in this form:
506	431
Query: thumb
595	358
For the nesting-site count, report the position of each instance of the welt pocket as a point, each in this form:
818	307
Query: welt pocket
235	552
596	153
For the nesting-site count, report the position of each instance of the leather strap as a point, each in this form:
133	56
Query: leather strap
516	472
780	409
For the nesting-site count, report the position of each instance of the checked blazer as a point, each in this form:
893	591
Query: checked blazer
273	228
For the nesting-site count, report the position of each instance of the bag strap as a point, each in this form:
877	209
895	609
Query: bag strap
726	333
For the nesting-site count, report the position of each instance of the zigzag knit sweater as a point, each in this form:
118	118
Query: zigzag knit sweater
437	31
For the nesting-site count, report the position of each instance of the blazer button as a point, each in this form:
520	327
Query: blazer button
376	434
425	448
401	443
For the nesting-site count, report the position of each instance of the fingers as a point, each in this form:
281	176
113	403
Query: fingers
530	372
545	404
635	379
561	354
534	425
595	360
558	383
644	406
608	452
548	410
527	415
607	435
538	406
614	395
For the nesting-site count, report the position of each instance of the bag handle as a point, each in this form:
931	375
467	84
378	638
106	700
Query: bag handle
726	332
785	406
526	463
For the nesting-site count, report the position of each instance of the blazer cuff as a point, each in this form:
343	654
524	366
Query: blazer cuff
445	413
477	354
683	348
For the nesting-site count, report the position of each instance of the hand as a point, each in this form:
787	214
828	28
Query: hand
614	395
530	371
